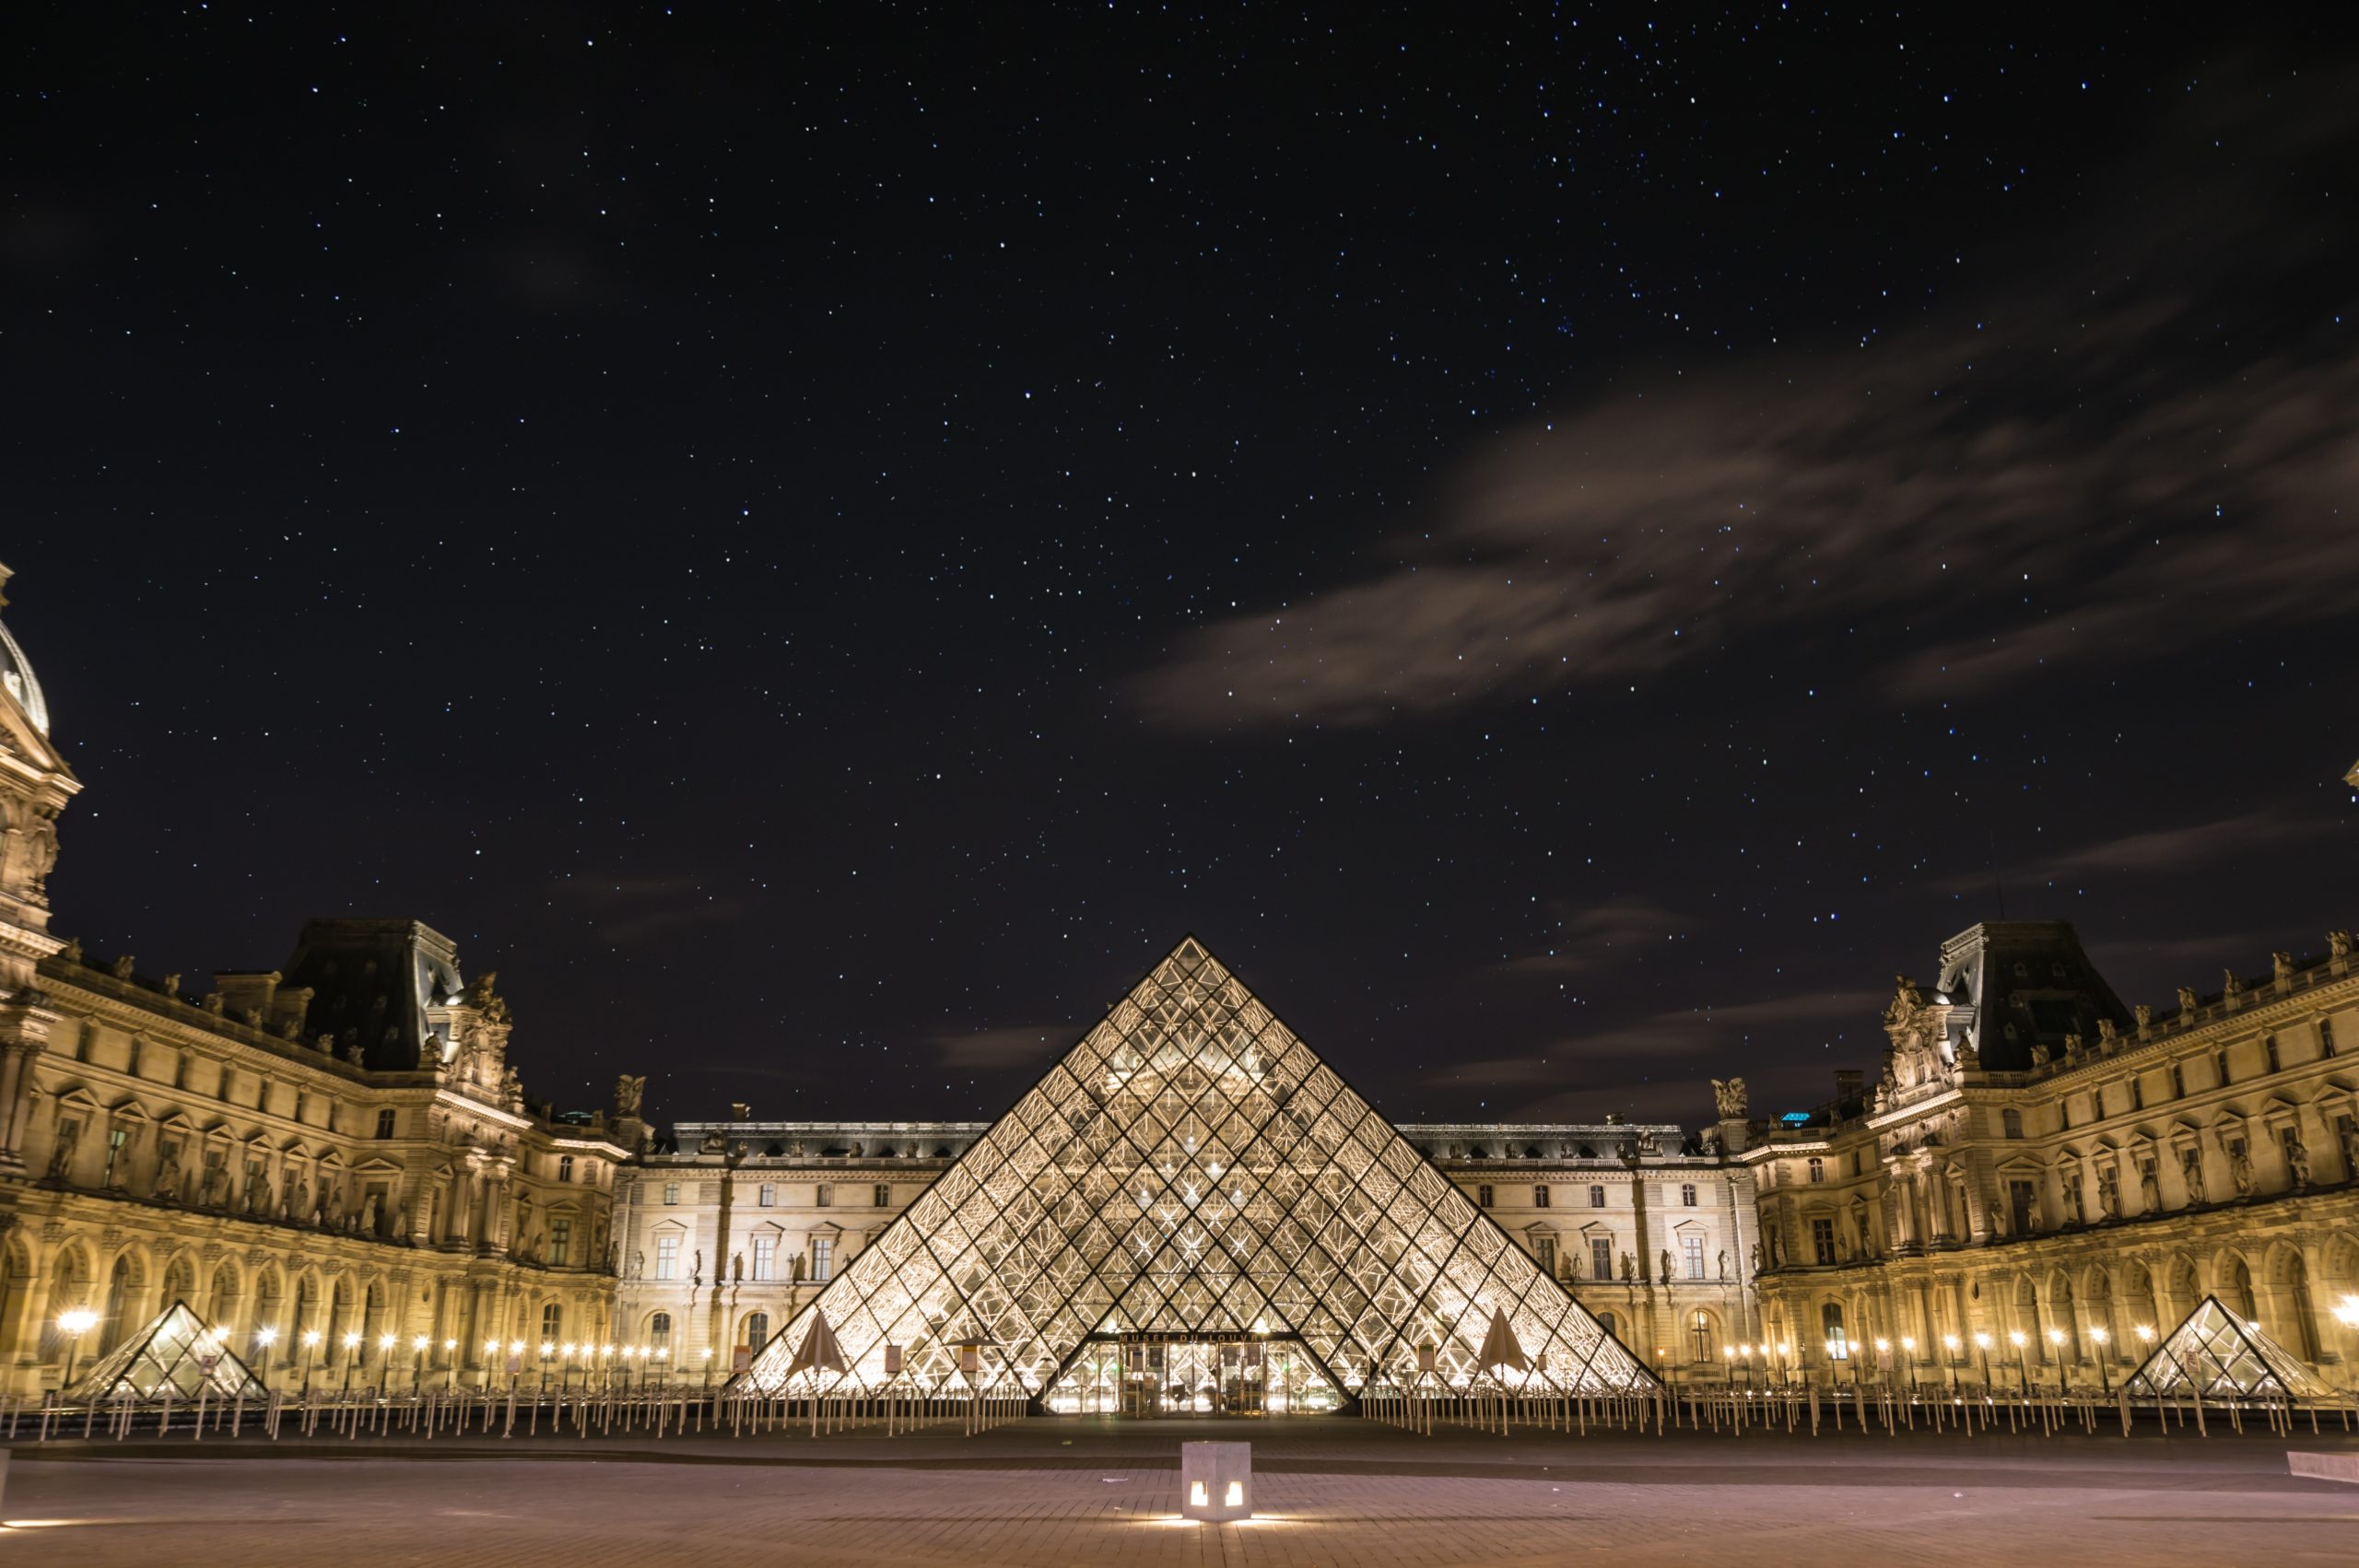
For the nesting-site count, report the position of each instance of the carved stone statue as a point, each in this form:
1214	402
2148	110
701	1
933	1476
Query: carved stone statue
2231	985
61	1159
122	966
2281	965
2109	1193
696	1268
368	1214
2150	1192
2193	1166
2240	1170
168	1176
2339	945
2039	1053
1730	1098
332	1207
485	997
2186	999
1666	1265
1756	1257
1724	1263
2145	1016
355	1054
1630	1268
2108	1034
737	1267
628	1090
2298	1162
637	1264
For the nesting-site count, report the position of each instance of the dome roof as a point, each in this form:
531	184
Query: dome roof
17	674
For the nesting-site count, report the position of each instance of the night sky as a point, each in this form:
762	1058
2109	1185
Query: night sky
1568	547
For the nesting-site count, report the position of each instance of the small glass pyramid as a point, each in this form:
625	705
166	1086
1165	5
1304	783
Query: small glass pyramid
2222	1357
179	1353
1193	1171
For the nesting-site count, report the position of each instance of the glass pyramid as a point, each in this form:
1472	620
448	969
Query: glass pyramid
1193	1171
2223	1357
180	1354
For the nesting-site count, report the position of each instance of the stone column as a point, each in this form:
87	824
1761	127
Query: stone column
24	1034
496	1177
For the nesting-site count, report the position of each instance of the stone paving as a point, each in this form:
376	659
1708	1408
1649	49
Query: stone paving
1047	1492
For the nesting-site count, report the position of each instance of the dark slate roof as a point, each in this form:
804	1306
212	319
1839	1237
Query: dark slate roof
371	982
2028	981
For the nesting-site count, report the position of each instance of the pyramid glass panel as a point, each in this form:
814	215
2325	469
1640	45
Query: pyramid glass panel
179	1354
2212	1353
1191	1207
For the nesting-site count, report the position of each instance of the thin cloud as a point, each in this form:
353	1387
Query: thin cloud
1598	935
2135	439
2160	851
1678	1035
991	1050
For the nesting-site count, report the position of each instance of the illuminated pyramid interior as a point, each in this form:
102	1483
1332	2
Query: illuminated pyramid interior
1191	1173
2213	1354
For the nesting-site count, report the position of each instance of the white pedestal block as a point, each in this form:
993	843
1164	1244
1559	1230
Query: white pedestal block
1215	1481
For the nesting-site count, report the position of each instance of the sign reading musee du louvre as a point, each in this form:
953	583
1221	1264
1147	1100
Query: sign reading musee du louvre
1191	1169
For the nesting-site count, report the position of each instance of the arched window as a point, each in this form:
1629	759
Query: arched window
757	1331
659	1332
552	1321
1830	1321
1700	1346
1606	1321
2011	1123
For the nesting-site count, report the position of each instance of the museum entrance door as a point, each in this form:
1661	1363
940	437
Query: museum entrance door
1145	1374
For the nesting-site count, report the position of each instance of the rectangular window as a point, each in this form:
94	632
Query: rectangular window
766	1196
881	1196
1482	1196
2326	1036
2178	1082
766	1258
386	1122
667	1257
1818	1168
1687	1195
2023	1199
1540	1197
2138	1093
1544	1252
1601	1257
116	1139
2268	1054
1691	1253
671	1193
1597	1198
827	1195
1822	1240
821	1248
560	1243
2220	1069
565	1168
2010	1124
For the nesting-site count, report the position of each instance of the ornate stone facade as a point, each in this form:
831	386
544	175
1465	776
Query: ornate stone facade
2039	1160
730	1228
339	1148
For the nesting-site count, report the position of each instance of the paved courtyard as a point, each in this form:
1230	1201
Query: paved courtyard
1055	1493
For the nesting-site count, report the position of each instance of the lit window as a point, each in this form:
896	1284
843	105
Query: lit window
560	1243
822	1248
1687	1195
1540	1197
667	1257
1699	1338
552	1321
671	1192
1691	1253
1839	1343
766	1258
767	1198
659	1332
1818	1169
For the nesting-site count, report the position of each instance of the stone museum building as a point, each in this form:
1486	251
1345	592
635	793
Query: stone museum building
333	1161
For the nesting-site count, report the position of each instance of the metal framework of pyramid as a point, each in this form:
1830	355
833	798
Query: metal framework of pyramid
178	1353
2221	1357
1190	1168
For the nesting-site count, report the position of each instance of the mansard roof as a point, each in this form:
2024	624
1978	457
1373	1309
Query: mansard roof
2029	982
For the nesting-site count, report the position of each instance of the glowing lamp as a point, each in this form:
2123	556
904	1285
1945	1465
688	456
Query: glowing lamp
1216	1481
77	1321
